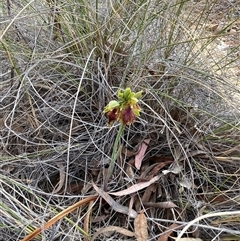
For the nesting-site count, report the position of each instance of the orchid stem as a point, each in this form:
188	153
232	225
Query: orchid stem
114	156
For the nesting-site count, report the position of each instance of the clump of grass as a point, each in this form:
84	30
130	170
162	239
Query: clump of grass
62	62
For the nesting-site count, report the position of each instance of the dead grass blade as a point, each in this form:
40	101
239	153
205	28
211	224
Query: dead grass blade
190	239
136	187
227	159
230	237
58	217
115	206
140	227
209	215
86	220
112	229
225	220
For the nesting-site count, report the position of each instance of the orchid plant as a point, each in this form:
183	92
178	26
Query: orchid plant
125	110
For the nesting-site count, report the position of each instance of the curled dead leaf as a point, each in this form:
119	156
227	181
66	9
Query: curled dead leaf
186	183
141	152
61	178
165	235
115	206
176	168
112	229
167	204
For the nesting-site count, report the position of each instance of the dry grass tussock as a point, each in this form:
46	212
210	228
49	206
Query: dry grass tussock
61	63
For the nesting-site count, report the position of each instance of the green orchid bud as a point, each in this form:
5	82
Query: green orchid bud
127	94
138	95
120	95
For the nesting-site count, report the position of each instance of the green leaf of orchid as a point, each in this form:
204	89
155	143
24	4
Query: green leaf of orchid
111	105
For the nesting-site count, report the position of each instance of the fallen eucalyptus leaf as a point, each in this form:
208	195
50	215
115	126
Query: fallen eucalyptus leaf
136	187
140	227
